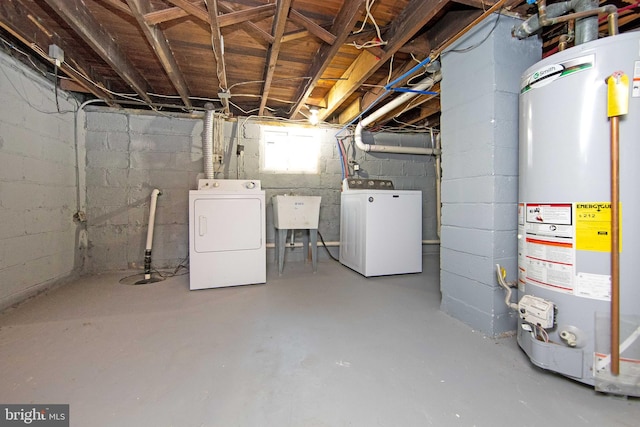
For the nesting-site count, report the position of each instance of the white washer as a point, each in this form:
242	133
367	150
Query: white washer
380	228
226	234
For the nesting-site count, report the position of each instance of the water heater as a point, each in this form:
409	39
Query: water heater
564	214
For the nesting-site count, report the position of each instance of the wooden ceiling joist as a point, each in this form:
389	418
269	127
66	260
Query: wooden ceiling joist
161	47
279	22
216	42
312	27
191	9
253	14
117	4
13	20
252	29
78	17
346	19
413	17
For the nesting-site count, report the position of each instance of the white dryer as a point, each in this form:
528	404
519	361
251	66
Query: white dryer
226	234
380	228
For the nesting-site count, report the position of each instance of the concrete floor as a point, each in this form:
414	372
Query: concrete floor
325	349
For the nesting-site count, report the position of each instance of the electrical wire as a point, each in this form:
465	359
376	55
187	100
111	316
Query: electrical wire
369	16
471	47
324	245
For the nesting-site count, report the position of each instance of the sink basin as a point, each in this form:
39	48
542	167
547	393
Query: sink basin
296	212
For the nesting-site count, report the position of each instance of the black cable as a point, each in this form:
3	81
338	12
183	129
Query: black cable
55	86
326	248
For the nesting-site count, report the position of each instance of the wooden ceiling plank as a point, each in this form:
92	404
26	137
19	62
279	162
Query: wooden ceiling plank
252	29
13	12
253	14
347	17
169	14
216	43
78	17
479	4
371	95
158	42
413	17
191	9
312	27
279	22
117	4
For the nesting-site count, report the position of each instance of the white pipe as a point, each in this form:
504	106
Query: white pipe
337	244
152	218
425	84
438	186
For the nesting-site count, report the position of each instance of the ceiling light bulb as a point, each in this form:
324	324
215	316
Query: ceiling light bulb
313	118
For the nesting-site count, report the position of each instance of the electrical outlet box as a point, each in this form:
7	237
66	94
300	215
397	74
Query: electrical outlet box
537	311
239	149
56	53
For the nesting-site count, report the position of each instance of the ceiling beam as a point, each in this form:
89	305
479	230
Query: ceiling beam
216	43
158	42
117	4
479	4
80	19
373	94
312	27
191	9
15	19
413	17
279	22
252	29
168	14
349	14
253	14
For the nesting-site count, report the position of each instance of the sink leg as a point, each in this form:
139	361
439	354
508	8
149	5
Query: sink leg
282	238
313	233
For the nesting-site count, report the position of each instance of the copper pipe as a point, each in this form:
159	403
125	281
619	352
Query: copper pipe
610	10
615	245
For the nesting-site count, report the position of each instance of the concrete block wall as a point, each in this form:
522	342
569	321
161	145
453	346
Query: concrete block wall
38	237
480	171
130	154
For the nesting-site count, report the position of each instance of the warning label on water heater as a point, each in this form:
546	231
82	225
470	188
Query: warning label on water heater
549	248
593	226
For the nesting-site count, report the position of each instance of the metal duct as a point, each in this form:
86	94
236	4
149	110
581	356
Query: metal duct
207	141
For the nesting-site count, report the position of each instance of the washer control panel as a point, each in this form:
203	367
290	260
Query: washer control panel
367	184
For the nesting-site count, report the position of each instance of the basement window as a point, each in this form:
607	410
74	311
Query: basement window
287	150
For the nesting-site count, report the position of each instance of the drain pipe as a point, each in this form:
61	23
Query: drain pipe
147	253
425	84
207	141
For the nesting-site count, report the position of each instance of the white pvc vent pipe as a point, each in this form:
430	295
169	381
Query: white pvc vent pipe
424	84
152	218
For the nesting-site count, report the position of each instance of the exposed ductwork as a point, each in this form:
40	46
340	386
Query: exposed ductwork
424	85
207	141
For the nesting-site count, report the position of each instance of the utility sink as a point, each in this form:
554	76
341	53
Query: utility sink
296	212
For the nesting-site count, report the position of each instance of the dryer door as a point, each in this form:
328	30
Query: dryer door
232	223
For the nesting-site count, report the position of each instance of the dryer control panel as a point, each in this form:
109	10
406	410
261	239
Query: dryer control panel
366	184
